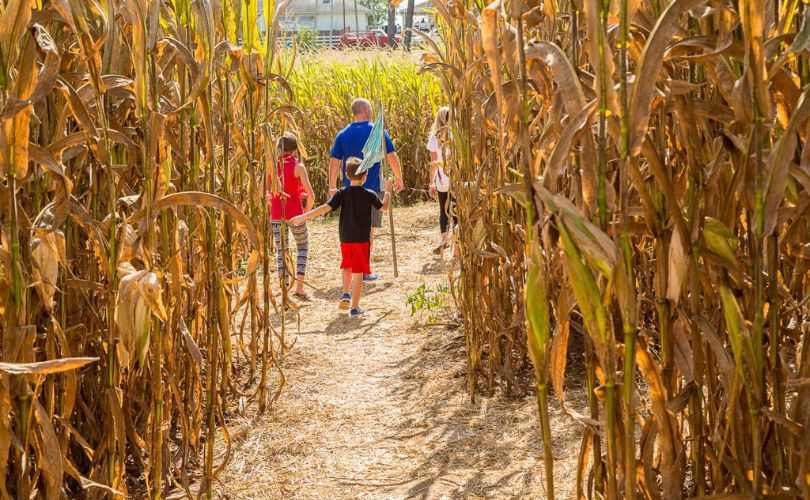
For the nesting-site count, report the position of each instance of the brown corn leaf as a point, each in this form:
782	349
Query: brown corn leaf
38	86
752	19
78	109
652	59
802	38
667	429
14	21
489	40
45	367
559	359
792	426
562	148
594	26
205	200
780	160
5	433
49	453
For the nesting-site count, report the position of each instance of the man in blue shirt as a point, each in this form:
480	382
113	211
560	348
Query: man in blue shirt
349	143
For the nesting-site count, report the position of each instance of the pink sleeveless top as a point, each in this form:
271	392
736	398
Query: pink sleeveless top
292	188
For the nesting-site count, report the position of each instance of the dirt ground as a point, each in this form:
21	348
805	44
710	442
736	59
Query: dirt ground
377	407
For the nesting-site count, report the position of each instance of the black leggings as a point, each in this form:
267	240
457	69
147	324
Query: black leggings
446	206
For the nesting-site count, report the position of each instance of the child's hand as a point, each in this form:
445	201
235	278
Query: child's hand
297	220
389	185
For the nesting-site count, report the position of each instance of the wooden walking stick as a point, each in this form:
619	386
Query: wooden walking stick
376	149
390	212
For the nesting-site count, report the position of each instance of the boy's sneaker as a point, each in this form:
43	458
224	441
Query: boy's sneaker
345	301
356	312
370	277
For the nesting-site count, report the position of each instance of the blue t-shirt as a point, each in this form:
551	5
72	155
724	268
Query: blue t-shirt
349	143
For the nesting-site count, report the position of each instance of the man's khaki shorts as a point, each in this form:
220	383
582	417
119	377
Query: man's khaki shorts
376	215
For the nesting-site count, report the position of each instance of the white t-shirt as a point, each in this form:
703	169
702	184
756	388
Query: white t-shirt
441	180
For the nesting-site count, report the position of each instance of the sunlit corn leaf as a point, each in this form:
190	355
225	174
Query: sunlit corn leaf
739	336
720	240
586	292
45	367
597	247
537	313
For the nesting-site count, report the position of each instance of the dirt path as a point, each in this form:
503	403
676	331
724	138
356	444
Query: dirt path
376	408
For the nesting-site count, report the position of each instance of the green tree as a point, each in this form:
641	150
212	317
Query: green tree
379	9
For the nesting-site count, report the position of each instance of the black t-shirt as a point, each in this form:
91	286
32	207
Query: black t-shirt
355	204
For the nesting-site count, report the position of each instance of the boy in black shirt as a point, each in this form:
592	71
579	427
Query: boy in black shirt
355	203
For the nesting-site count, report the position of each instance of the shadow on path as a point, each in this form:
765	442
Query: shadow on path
436	266
343	324
468	449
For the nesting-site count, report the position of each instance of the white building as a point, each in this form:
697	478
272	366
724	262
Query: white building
423	14
323	16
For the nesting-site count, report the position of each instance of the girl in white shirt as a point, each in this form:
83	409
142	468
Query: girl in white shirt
439	147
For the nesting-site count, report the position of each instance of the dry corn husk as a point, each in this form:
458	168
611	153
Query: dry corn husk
139	294
47	252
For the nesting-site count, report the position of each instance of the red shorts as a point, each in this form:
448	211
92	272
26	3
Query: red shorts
355	256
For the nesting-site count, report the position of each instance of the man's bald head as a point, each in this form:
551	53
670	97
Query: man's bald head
361	109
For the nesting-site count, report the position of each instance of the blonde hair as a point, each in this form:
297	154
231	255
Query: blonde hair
441	124
441	129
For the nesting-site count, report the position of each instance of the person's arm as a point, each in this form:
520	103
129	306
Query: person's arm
393	161
300	219
301	173
333	204
335	163
434	168
334	168
386	203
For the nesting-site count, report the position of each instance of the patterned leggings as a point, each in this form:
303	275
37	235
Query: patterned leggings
301	242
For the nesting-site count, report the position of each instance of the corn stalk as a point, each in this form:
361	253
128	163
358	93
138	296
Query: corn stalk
674	241
126	243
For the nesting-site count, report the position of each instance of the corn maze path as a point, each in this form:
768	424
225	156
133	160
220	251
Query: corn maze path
377	408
